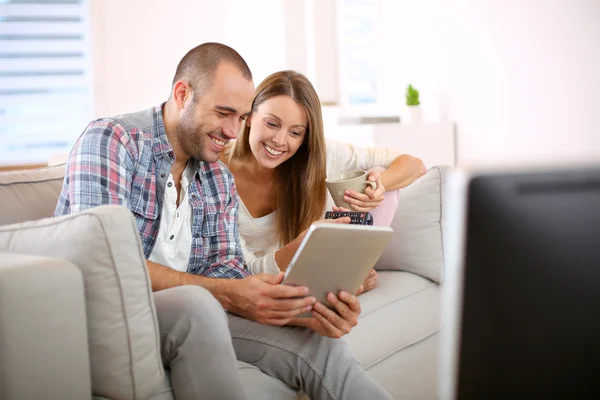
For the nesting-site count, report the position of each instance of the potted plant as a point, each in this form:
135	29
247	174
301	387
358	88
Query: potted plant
413	109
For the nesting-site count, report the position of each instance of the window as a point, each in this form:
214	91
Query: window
358	47
45	78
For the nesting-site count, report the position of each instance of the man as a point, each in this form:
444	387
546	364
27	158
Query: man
162	164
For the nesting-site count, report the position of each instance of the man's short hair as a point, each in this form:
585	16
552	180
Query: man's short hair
200	64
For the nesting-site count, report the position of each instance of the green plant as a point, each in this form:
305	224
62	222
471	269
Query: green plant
412	96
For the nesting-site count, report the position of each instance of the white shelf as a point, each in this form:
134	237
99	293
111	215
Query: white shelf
434	143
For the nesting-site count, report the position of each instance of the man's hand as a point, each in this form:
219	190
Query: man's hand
261	298
368	200
369	283
329	323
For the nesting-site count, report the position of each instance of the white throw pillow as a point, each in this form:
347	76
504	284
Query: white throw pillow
417	244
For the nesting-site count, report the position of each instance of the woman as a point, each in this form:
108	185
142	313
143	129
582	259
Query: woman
280	162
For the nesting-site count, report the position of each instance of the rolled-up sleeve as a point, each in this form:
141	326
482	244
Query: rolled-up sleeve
342	157
99	170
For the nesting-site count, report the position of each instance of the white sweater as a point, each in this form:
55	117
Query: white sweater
258	235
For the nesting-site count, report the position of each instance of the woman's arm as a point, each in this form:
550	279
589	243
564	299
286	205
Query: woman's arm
258	265
284	255
403	171
400	171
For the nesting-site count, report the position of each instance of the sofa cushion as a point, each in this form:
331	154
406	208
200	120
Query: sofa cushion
417	244
122	328
398	316
29	194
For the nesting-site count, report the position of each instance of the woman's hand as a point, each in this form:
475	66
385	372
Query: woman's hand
368	200
341	220
369	283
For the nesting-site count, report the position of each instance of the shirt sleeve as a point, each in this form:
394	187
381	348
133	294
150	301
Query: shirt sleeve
225	258
99	170
259	265
342	157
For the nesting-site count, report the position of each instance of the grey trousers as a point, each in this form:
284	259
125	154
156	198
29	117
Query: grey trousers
200	343
196	345
322	367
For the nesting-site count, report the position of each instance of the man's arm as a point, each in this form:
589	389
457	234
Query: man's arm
258	297
163	277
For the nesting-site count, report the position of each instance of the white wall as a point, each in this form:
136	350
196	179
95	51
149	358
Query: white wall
520	78
138	43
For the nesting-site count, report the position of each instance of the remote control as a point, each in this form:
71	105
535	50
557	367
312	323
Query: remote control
356	217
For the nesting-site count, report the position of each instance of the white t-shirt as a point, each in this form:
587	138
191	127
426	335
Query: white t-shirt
258	239
258	236
173	245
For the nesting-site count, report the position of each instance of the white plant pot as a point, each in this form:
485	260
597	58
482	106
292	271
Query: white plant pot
413	115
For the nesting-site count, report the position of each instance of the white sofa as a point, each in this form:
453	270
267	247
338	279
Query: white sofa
77	318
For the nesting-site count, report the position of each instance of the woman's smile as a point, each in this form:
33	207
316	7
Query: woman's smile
271	152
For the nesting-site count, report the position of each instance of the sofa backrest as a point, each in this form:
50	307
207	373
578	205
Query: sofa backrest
104	244
29	195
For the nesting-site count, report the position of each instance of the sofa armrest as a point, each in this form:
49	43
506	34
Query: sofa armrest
43	331
123	337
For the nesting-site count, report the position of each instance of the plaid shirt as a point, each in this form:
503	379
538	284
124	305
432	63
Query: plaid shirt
126	160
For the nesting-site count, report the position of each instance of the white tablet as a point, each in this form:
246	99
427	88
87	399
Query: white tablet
334	257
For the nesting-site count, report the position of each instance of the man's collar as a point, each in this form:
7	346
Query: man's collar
160	143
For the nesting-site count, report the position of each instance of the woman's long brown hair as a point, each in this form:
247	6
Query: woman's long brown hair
299	183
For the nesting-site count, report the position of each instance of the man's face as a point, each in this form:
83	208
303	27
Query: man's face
211	119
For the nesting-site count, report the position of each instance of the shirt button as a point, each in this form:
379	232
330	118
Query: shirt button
169	184
196	235
194	197
172	237
162	175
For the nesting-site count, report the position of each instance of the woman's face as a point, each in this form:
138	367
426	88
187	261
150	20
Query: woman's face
277	130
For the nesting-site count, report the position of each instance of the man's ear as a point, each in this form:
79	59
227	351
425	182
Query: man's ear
249	119
181	92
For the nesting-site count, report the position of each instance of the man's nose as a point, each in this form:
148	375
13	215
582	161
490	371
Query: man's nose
232	126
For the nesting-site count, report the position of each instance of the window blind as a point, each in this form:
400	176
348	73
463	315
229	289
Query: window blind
46	97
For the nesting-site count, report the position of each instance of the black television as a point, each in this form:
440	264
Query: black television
521	301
